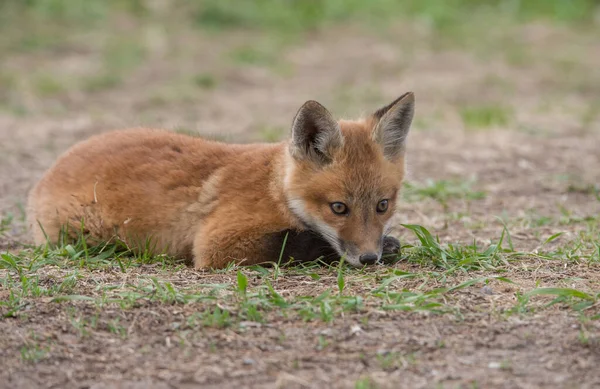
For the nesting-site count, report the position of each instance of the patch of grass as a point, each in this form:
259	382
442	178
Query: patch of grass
322	343
294	15
394	360
517	54
457	257
521	306
271	134
23	282
46	85
63	10
485	116
566	217
366	383
215	318
442	191
589	115
256	297
269	14
536	220
577	300
123	54
100	82
82	324
574	183
6	222
54	25
593	189
119	57
205	81
115	327
584	247
33	353
254	55
302	15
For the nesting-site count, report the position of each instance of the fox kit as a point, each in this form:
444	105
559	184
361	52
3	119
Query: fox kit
329	191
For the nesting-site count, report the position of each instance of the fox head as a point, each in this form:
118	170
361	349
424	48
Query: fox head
342	177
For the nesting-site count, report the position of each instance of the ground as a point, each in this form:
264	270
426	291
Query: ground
503	168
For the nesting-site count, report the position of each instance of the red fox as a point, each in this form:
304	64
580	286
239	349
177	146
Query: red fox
330	191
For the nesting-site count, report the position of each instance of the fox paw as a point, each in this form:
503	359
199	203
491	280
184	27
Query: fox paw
391	249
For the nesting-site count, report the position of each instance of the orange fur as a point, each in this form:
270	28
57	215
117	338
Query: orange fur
211	201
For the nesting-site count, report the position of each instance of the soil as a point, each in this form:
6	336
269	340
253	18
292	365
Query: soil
542	162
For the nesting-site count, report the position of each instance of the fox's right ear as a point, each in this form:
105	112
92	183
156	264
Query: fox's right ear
392	125
315	134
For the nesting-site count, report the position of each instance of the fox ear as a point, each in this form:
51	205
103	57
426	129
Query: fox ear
315	133
392	125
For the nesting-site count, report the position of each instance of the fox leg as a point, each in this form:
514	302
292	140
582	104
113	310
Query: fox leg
299	246
216	248
302	246
308	246
391	249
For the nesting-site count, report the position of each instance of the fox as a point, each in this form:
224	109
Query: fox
329	191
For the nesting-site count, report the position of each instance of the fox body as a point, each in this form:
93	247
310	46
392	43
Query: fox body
328	191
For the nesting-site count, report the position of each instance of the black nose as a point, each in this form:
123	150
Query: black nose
368	259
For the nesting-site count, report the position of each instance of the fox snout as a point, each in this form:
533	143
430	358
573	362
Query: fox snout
368	258
386	251
360	255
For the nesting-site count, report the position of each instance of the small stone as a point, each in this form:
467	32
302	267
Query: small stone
250	324
355	329
248	361
487	290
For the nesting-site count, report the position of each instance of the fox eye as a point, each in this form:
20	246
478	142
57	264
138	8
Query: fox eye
382	206
339	208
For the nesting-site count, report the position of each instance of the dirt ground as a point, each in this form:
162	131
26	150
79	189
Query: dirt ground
539	168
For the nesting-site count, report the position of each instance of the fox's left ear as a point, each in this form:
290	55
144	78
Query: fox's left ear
315	134
392	124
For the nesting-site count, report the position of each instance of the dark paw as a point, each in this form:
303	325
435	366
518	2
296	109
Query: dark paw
391	249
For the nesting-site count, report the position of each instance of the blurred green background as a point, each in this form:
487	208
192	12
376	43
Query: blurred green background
288	15
513	75
58	54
